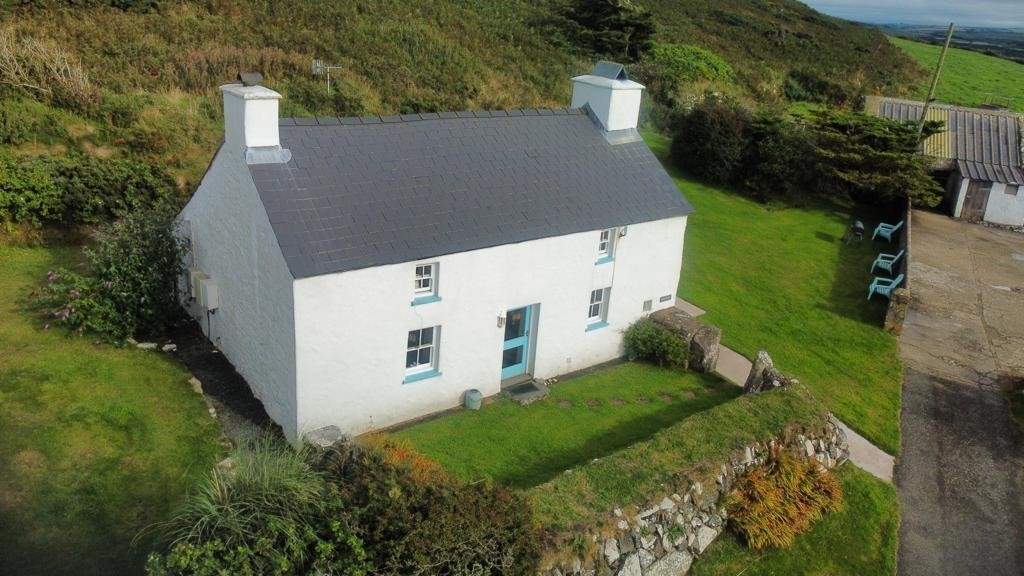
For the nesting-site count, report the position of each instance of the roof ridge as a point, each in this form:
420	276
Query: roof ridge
418	117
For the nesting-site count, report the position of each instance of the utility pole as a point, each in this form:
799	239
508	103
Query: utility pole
935	83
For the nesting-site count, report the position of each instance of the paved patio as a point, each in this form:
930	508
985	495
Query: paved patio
961	470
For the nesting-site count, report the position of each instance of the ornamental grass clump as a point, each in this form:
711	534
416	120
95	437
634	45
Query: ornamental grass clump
771	504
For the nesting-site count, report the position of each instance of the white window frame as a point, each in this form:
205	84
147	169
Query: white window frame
433	347
606	243
425	273
601	303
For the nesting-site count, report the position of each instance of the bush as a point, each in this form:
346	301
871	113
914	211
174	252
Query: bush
131	287
615	28
771	504
269	513
23	121
647	340
76	189
778	164
28	193
710	140
416	521
668	67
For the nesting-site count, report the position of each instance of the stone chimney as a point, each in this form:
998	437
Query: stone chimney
251	120
612	97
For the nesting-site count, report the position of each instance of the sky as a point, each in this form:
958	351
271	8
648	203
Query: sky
997	13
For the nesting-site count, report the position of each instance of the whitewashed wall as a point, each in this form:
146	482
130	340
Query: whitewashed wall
351	327
1004	208
235	245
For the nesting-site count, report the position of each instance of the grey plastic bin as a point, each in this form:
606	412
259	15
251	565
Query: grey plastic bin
473	399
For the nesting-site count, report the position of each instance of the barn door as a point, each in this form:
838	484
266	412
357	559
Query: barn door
976	201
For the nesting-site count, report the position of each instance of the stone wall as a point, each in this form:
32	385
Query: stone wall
702	340
664	535
896	314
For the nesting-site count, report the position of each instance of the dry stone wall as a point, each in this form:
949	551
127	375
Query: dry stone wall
666	534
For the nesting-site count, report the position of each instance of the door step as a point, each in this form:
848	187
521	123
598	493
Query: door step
528	392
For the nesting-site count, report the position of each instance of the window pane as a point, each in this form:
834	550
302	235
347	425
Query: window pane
595	311
595	296
414	339
425	355
514	326
427	337
410	359
419	270
512	356
425	283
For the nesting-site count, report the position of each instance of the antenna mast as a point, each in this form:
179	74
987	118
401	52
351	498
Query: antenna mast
935	83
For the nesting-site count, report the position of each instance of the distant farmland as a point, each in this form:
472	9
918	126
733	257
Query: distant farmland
969	78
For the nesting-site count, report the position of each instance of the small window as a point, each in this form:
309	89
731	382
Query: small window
1012	189
648	305
426	279
421	350
606	243
598	309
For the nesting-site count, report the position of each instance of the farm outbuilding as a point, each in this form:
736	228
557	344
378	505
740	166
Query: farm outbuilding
981	151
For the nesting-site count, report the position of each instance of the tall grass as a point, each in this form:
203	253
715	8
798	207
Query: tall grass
268	485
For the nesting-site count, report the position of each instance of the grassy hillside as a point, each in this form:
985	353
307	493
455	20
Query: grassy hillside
144	83
969	78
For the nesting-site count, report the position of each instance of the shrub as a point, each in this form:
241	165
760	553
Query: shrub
269	513
647	340
771	504
131	287
28	193
709	141
78	189
23	120
669	66
44	70
779	161
616	28
411	523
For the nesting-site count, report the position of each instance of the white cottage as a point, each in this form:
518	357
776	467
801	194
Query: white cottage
362	272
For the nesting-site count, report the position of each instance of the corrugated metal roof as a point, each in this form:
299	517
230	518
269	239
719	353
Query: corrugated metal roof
991	172
361	192
972	134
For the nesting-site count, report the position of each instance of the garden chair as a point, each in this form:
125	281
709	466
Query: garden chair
887	230
884	286
887	261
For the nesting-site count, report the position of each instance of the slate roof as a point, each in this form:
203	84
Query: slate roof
362	192
987	138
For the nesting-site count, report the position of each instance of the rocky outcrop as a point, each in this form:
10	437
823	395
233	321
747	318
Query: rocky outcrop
763	375
703	340
665	536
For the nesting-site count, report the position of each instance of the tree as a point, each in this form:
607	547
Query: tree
709	141
615	28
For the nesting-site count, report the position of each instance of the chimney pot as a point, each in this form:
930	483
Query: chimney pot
250	78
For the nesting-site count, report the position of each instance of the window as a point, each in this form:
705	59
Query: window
1012	189
425	279
421	350
648	305
606	246
597	311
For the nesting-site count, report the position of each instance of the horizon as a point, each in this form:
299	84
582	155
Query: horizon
1002	14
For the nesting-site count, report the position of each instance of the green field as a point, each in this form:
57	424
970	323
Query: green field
782	280
860	540
969	78
98	442
584	418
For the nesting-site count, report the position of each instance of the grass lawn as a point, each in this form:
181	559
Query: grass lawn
968	78
860	540
583	418
97	442
782	280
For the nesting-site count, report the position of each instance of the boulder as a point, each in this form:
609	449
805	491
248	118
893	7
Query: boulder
646	558
703	340
705	536
763	375
324	437
611	551
631	567
146	345
673	564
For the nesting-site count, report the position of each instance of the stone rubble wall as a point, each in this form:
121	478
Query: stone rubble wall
896	313
703	340
663	536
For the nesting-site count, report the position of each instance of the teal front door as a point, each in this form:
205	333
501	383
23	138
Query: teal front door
516	351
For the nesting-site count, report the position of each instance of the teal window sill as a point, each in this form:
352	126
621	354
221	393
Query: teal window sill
425	300
604	260
409	378
596	326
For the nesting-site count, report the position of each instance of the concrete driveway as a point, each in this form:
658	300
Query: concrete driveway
961	472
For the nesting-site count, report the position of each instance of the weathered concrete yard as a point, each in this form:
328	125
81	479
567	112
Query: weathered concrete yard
961	472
